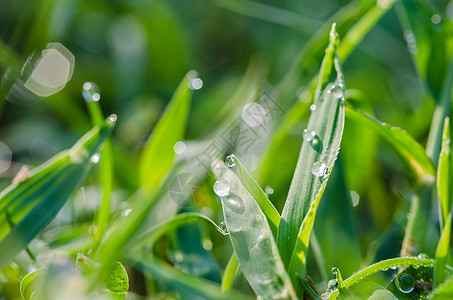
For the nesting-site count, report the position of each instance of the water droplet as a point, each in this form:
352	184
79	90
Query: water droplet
416	266
436	19
179	147
309	135
222	188
113	118
126	212
269	190
319	169
394	267
224	227
230	161
405	283
334	270
384	269
90	92
355	198
312	107
95	158
196	84
411	42
332	285
337	91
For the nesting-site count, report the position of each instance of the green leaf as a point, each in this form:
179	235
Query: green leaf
408	149
163	272
158	155
252	239
117	279
26	208
306	189
443	182
31	283
230	272
442	252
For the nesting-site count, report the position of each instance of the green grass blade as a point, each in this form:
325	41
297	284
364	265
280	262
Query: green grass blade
408	149
26	208
252	239
442	252
443	182
163	272
268	13
230	272
383	266
269	210
158	155
30	283
327	121
106	166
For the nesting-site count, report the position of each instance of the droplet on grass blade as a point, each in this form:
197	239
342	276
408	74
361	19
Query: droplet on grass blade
309	135
337	91
179	147
95	158
319	169
405	283
222	188
224	227
230	161
312	107
269	190
332	285
334	270
90	92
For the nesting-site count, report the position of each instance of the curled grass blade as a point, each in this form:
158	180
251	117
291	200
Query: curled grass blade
408	149
157	157
382	266
252	239
26	208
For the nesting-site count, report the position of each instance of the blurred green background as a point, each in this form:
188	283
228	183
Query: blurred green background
137	51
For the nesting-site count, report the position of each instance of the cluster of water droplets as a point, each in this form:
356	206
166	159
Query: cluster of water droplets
337	91
195	83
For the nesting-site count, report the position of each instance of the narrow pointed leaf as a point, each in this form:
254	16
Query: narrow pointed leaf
443	182
26	208
327	122
408	149
252	239
158	155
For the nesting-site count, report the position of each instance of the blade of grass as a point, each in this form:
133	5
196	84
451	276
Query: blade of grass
381	266
408	149
443	182
272	14
158	155
30	205
252	239
163	272
106	161
230	273
327	122
266	206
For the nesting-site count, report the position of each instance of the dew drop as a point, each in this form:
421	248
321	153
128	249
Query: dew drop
394	267
334	270
332	285
126	212
224	227
309	135
90	92
196	84
95	158
337	91
179	147
312	107
222	188
230	161
269	190
319	169
113	118
436	19
384	269
405	283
